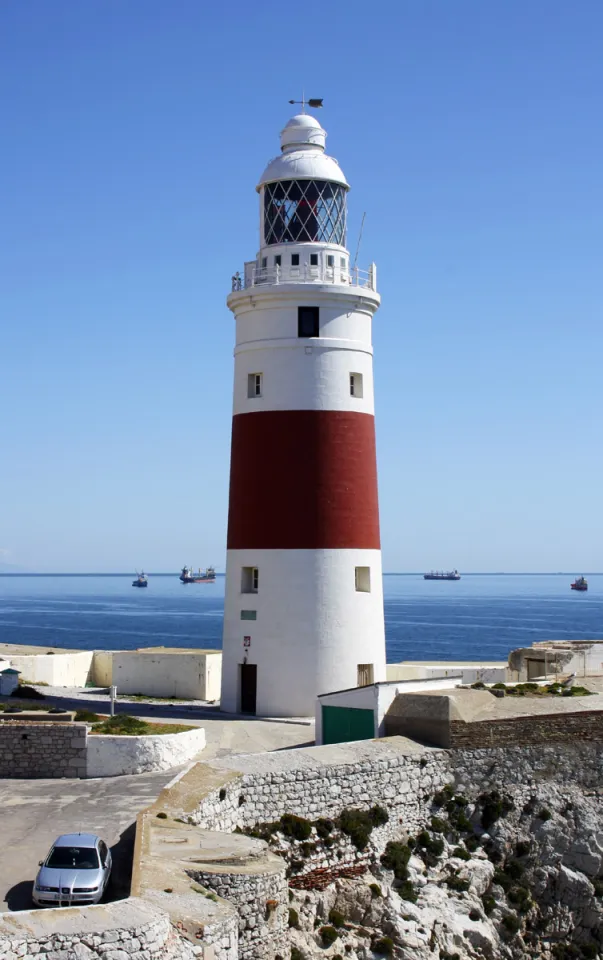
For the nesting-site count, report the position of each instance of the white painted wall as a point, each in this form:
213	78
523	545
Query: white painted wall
116	756
304	375
194	675
102	668
312	629
69	669
486	672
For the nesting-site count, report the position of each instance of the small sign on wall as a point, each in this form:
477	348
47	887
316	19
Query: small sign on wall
246	641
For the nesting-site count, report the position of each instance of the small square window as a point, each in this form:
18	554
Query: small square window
264	262
295	259
250	579
254	385
330	260
313	259
277	260
363	579
365	674
251	615
356	385
343	265
307	322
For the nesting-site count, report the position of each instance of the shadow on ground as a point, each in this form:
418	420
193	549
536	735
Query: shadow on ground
19	896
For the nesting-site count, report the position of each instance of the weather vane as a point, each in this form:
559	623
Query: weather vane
307	103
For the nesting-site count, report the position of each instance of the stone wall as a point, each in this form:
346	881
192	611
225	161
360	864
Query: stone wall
322	781
32	750
126	930
262	902
525	731
113	756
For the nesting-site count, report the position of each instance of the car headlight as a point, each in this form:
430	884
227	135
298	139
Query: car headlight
43	889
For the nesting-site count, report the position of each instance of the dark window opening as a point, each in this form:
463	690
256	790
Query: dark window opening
295	259
330	261
313	259
307	322
277	260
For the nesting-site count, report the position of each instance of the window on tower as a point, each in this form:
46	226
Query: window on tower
301	211
356	385
313	259
363	579
254	385
277	260
330	261
250	579
295	259
308	322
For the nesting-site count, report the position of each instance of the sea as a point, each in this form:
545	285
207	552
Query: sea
480	617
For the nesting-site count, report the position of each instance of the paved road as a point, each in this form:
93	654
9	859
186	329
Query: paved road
34	812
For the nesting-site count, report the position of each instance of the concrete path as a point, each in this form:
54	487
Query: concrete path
33	813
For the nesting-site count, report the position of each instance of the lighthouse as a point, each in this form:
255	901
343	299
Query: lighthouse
304	600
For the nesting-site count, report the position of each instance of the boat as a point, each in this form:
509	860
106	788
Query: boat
580	583
188	575
442	575
141	580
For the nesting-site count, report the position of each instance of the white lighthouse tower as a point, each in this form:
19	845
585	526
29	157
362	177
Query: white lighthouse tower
304	603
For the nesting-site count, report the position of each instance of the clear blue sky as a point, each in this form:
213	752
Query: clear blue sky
133	134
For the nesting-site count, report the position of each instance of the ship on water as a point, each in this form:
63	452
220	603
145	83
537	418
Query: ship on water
188	575
580	583
141	580
442	575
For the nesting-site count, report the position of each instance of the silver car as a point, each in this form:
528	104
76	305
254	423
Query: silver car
75	872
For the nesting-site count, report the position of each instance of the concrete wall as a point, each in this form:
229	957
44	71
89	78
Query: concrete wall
113	756
469	672
102	668
32	750
70	669
190	675
556	658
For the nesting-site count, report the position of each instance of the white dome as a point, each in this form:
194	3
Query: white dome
303	156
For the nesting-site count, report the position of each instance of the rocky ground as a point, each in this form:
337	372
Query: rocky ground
487	879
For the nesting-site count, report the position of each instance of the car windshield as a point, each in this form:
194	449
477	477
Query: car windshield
84	858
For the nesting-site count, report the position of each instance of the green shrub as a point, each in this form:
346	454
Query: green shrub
457	884
511	923
544	814
474	914
461	853
328	935
489	904
396	857
122	724
375	890
472	843
295	827
520	898
293	917
324	827
336	918
378	816
296	954
406	891
438	825
502	880
522	848
307	849
598	885
357	825
384	947
514	869
86	716
499	686
478	685
494	806
589	950
162	816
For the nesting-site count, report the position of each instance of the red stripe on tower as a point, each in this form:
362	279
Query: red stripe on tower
303	479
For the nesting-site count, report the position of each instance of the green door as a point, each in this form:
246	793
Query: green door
342	724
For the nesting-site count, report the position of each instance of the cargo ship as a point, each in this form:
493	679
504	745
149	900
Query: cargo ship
188	575
580	583
442	575
141	580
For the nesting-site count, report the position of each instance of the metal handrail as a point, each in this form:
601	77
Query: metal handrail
255	276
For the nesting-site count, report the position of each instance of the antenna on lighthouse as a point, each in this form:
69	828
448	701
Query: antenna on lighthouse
359	239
